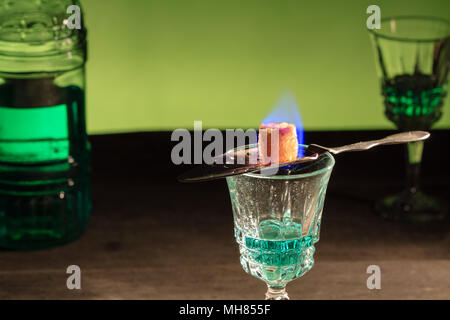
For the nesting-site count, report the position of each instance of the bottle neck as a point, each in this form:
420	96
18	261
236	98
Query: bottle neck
37	37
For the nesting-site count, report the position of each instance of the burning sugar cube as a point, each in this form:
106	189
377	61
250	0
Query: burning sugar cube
278	138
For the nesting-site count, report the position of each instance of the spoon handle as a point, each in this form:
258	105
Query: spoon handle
398	138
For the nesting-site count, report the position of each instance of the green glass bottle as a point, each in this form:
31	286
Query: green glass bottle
44	151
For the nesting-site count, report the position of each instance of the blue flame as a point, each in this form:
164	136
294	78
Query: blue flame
287	110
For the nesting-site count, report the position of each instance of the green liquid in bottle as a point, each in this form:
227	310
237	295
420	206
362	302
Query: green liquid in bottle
44	164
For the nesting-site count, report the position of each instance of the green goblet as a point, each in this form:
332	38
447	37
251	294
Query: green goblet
413	60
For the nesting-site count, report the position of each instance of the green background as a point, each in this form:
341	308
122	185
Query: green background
160	65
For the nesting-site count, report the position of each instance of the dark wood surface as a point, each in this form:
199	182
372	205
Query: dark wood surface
153	238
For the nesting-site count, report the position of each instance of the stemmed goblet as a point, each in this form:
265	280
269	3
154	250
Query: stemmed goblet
413	60
277	222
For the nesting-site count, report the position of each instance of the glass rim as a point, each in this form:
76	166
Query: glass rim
377	33
296	176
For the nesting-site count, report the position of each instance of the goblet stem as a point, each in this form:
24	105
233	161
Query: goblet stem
276	293
414	159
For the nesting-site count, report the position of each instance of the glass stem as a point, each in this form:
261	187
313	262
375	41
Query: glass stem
277	293
414	160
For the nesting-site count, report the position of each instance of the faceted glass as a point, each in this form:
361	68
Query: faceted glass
413	62
277	222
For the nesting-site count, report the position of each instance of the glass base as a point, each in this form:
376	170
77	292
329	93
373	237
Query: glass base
411	206
35	221
277	294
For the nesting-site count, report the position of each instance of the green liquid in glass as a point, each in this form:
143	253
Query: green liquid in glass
279	254
44	164
413	102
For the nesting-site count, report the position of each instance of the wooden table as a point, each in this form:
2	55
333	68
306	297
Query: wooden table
158	239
